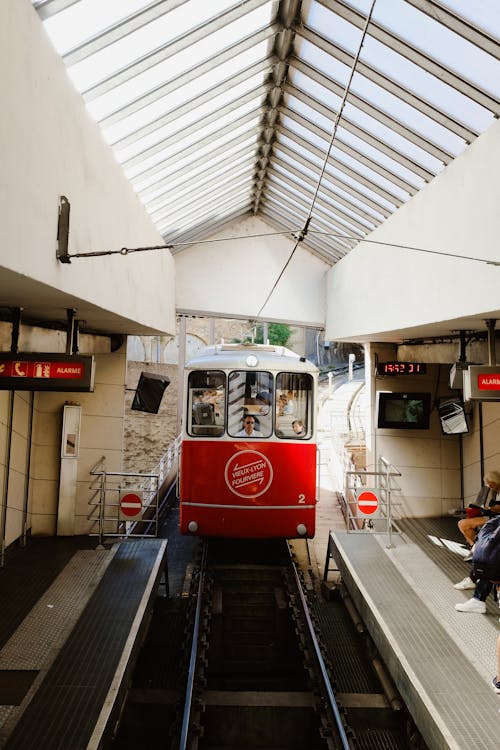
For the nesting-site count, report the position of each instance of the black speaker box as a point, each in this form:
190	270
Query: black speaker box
149	392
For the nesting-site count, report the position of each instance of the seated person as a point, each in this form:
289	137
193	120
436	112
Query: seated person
298	428
248	427
486	499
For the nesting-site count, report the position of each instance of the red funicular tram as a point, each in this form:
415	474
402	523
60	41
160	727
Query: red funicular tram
248	455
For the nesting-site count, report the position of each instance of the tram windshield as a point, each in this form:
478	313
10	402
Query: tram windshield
250	404
249	412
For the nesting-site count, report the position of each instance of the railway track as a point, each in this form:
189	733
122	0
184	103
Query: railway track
233	663
256	676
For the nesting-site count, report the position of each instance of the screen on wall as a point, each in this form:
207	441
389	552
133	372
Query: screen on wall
403	411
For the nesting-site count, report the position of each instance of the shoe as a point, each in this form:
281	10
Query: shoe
467	583
496	684
472	605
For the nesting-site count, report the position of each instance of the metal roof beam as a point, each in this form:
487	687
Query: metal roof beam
326	215
363	134
120	30
370	109
345	186
279	199
186	151
189	75
353	153
466	29
324	190
195	163
343	168
198	101
48	8
208	181
414	54
307	192
392	87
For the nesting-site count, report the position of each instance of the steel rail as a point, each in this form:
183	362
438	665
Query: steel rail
321	663
194	652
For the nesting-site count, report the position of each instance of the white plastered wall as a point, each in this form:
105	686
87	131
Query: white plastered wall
232	278
49	147
378	289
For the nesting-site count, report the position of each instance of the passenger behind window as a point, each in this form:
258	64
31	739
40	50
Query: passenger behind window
263	399
298	428
203	413
249	428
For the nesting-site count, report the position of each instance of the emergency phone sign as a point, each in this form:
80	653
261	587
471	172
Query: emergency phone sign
46	372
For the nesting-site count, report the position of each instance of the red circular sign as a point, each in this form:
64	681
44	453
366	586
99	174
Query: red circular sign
248	474
367	502
130	505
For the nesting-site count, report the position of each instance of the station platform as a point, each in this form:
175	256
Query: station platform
441	661
74	619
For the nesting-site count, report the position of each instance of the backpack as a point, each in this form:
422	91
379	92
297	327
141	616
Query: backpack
486	555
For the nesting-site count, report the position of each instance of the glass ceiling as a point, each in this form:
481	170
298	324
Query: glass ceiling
320	116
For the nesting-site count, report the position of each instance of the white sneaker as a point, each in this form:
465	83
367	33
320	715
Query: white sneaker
472	605
467	583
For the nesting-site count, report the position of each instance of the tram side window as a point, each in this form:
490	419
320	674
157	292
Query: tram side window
294	405
206	403
250	396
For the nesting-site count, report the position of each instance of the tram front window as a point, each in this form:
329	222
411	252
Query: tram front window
294	400
206	403
250	404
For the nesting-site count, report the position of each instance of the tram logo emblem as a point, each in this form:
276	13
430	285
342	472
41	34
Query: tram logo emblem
248	474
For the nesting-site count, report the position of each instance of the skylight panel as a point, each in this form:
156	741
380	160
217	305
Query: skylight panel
162	107
437	41
161	136
129	91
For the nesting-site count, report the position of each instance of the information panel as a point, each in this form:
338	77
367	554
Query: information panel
46	372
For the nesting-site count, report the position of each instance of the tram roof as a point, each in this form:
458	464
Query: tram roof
312	114
236	356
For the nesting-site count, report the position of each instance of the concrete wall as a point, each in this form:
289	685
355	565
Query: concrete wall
101	435
234	277
430	462
377	289
50	147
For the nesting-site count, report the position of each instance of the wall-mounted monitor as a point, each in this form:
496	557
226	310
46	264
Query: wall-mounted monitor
403	411
452	415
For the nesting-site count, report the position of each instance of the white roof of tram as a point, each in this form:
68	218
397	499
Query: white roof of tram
321	116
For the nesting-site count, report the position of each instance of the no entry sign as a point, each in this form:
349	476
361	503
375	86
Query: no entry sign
131	506
368	502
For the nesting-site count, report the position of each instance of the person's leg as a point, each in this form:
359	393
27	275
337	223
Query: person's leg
468	527
478	602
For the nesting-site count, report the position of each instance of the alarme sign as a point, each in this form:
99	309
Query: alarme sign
46	372
482	383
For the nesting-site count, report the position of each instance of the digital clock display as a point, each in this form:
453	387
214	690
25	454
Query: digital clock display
401	368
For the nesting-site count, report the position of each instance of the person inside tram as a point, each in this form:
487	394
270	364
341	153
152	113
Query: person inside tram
298	428
264	401
248	427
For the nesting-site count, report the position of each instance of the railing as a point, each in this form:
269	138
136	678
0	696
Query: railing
127	503
377	517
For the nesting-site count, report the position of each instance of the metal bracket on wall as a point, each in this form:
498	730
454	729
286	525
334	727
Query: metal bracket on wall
63	230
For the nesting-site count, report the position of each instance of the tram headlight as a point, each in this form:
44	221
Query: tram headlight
193	527
301	529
